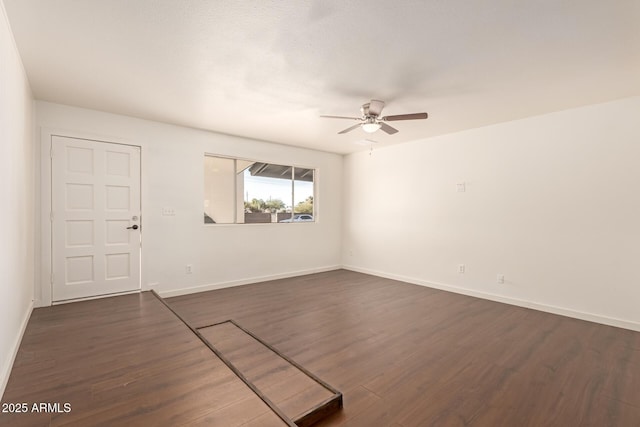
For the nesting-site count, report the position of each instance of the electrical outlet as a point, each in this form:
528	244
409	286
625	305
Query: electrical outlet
461	268
461	187
500	278
153	285
168	211
189	268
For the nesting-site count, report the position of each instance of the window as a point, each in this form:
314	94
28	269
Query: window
240	191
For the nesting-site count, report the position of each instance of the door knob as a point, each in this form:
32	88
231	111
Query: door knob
134	227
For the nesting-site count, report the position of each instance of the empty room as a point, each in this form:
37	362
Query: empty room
295	213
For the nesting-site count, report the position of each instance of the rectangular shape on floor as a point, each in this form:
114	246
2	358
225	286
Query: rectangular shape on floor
301	396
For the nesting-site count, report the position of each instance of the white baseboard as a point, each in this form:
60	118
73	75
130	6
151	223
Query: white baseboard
229	284
8	364
611	321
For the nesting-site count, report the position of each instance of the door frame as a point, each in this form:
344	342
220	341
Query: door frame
44	262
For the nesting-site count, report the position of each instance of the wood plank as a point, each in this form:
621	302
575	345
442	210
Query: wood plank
293	391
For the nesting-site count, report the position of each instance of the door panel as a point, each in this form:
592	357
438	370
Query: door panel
95	198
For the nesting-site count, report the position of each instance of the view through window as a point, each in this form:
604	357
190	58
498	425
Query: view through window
240	191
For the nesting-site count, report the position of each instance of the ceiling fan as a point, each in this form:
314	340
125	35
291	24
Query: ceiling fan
371	120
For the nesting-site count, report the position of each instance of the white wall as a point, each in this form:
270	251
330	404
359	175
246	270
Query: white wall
220	193
17	197
173	176
551	202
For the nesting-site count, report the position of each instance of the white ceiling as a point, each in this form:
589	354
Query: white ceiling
266	69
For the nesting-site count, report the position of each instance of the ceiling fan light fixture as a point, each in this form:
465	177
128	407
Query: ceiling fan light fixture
371	127
372	119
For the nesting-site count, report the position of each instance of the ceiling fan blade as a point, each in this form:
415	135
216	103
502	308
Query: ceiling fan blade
375	107
340	117
414	116
349	129
388	129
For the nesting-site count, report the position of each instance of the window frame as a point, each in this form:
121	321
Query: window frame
292	180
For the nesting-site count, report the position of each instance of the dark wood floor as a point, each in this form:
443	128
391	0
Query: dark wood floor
406	355
402	355
125	361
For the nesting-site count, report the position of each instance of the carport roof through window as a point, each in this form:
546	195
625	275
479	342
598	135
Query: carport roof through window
280	172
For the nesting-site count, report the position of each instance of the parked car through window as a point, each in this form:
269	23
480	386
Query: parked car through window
298	218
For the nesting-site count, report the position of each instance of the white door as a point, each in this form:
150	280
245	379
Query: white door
95	197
